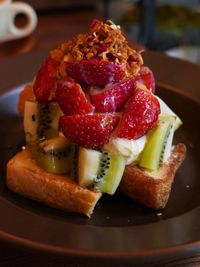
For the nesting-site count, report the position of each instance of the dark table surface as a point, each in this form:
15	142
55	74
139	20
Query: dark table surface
63	25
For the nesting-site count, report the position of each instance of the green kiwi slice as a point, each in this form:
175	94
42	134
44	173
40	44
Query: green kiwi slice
159	142
41	120
31	121
89	161
100	170
73	161
110	172
49	114
52	155
165	109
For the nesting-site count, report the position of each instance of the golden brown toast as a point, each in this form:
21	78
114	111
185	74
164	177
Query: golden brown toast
26	178
153	188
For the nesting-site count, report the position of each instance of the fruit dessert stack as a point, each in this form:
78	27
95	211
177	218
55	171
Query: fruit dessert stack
91	110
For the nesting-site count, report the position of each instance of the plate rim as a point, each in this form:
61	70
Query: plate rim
176	251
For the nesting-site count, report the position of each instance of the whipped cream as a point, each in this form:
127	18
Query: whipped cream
130	149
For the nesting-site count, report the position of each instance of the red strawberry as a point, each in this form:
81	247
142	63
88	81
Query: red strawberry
146	76
71	98
140	116
96	72
114	96
90	130
46	80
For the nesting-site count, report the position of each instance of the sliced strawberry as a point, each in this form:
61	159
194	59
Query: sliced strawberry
45	80
71	98
90	130
147	78
96	72
140	116
113	97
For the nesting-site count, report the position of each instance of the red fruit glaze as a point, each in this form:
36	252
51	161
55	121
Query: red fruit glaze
96	72
46	80
90	131
147	78
113	97
140	116
71	98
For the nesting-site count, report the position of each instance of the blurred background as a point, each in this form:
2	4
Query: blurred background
167	26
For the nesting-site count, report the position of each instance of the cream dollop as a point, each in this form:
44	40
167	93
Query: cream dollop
130	149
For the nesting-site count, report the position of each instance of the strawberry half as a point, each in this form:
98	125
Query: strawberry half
147	78
71	98
113	97
46	80
140	116
96	72
90	130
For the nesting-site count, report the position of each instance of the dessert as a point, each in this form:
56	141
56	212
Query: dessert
93	124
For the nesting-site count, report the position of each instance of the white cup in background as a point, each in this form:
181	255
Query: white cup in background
8	12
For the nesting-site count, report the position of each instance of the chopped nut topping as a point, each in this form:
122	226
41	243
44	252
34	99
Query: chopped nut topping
103	41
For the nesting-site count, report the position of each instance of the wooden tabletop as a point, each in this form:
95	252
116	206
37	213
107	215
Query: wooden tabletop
53	28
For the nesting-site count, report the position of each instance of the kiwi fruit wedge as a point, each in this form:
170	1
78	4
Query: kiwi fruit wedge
73	161
31	121
165	109
110	172
49	114
100	170
89	161
159	143
52	155
41	120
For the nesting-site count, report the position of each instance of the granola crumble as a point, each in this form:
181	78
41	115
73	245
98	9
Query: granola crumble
104	41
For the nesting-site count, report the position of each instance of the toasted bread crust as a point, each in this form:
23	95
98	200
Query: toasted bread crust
153	188
26	178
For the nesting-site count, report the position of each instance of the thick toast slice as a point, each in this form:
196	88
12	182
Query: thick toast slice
26	178
153	188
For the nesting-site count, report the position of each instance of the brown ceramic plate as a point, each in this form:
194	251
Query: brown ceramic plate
120	231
